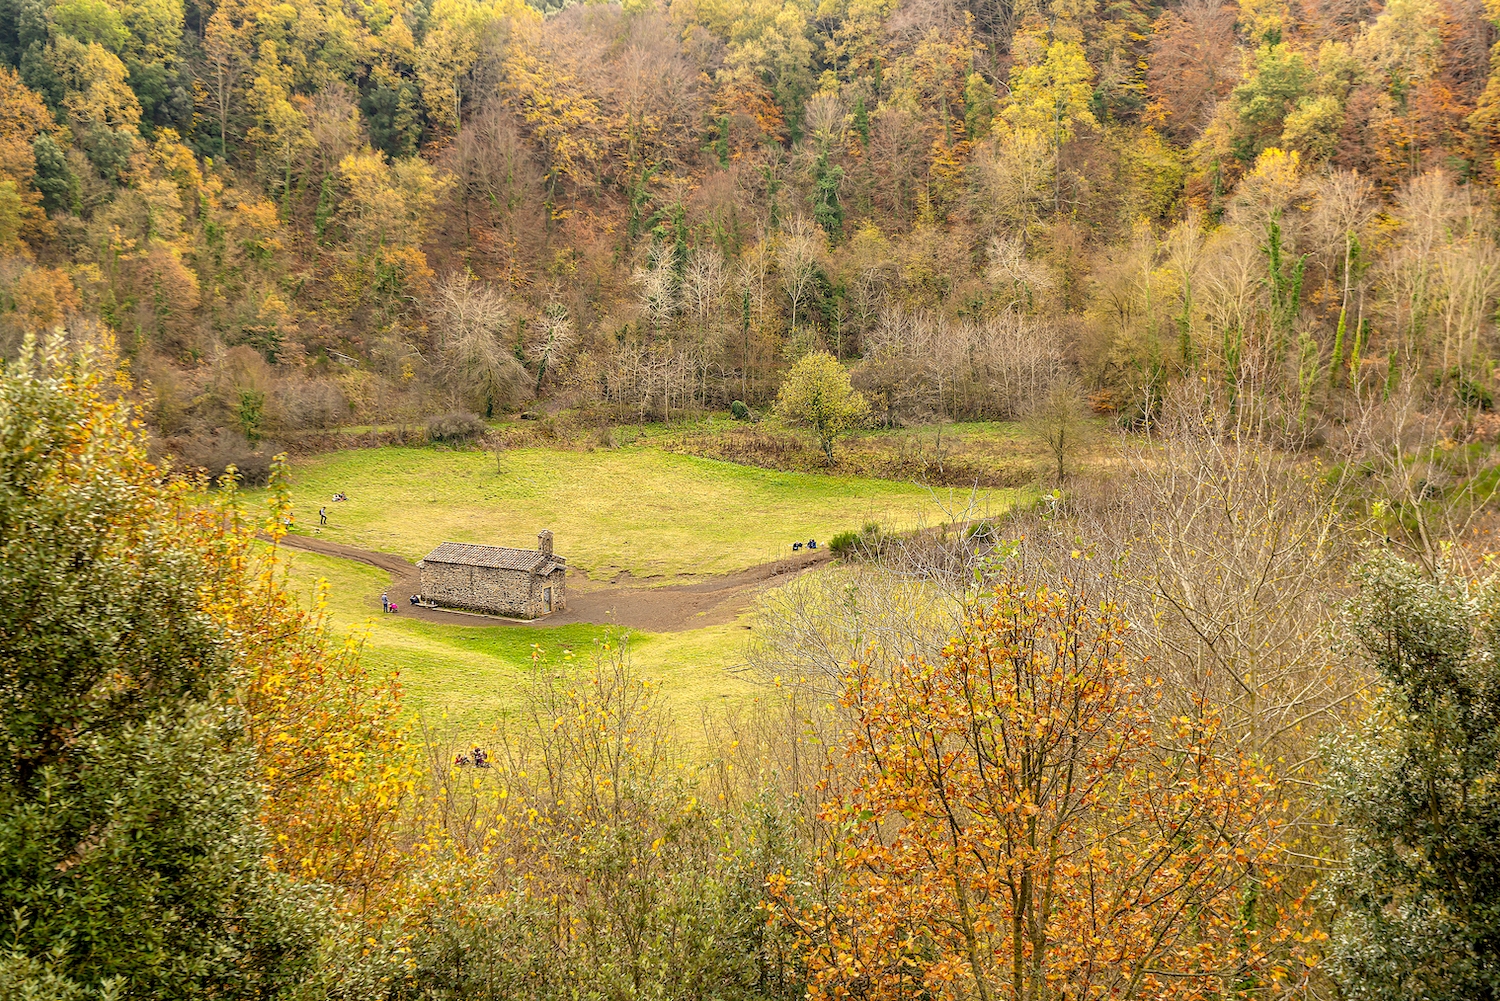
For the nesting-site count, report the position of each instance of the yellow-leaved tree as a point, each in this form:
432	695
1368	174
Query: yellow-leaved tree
817	395
334	755
1051	89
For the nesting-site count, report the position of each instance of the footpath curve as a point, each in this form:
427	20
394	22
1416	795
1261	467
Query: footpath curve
668	608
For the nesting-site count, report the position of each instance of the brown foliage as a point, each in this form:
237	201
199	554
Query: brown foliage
1193	65
1018	822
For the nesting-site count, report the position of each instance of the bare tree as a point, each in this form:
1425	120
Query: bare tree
811	630
479	370
498	183
998	368
553	339
1019	282
1236	577
799	251
703	284
1014	184
334	125
656	285
824	116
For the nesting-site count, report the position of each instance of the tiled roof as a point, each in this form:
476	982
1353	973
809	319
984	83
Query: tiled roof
496	557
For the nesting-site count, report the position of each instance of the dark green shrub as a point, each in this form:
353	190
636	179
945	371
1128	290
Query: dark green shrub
1417	784
981	531
843	544
864	544
130	848
740	411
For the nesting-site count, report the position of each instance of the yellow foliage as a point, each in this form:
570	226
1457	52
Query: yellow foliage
23	117
1050	92
11	212
450	48
561	115
256	227
388	204
280	125
176	160
333	754
1271	186
95	82
1264	19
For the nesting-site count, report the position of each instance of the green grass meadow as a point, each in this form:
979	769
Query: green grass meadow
636	509
466	678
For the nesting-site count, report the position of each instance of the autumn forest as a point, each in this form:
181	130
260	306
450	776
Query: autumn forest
1196	696
299	216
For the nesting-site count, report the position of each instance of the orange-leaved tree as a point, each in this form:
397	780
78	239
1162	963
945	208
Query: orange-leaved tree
1018	827
334	756
335	751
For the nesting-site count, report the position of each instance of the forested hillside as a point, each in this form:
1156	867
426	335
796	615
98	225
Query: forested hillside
1174	676
300	215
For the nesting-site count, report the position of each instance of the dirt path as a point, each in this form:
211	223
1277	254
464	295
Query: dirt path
668	608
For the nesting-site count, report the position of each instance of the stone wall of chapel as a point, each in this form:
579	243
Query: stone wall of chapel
558	581
511	593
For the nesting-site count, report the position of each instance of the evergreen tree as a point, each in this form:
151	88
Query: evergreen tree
54	178
861	122
979	106
1419	790
827	212
131	861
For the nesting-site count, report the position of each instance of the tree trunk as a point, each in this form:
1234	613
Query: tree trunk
966	918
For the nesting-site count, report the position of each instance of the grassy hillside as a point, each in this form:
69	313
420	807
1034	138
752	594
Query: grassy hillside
636	509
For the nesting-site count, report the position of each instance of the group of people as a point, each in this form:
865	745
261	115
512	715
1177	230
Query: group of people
475	758
811	544
390	606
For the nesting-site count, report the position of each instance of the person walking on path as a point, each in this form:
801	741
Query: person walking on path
385	603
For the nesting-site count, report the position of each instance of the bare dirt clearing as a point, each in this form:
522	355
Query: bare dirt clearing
619	602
